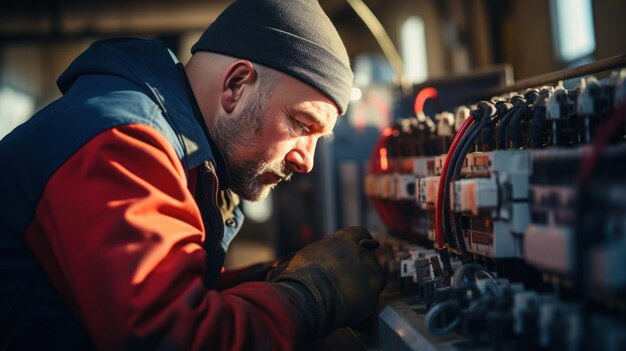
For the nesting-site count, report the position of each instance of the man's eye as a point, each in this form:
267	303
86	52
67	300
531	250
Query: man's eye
304	127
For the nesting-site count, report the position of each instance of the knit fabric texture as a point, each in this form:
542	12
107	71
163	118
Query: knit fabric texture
292	36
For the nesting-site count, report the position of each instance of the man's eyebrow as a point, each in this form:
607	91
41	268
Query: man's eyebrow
312	117
316	119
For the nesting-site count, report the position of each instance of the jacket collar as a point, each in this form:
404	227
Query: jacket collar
150	64
223	172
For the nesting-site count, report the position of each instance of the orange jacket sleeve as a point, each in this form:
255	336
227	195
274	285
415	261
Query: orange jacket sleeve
119	234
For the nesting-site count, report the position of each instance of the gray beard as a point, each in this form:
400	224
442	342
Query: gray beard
244	175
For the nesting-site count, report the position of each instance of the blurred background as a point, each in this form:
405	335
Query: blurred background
436	40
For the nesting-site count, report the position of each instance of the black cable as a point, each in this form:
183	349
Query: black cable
487	109
531	95
502	126
487	142
447	225
445	260
517	101
456	172
513	129
538	124
446	203
503	107
450	306
448	178
485	115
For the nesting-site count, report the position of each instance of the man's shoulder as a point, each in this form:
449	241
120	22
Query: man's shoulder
112	98
99	102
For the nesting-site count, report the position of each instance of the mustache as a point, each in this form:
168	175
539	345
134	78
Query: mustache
287	177
282	171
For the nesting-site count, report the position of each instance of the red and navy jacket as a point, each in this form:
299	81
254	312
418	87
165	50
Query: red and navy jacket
115	218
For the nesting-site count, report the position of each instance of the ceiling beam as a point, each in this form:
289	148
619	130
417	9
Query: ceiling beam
104	19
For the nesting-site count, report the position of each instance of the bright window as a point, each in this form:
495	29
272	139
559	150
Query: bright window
573	29
15	108
413	44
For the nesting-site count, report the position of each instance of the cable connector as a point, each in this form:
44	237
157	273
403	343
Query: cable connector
484	109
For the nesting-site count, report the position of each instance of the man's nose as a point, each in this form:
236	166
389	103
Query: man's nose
301	157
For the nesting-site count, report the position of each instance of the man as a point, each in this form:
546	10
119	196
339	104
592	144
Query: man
118	199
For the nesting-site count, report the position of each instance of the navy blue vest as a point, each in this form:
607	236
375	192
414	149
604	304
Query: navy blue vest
113	83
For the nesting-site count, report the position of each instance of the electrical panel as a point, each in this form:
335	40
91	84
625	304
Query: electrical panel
508	218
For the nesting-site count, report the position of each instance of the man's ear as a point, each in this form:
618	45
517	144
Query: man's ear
237	76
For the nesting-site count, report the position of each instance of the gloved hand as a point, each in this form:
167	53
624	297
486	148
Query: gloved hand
253	273
339	278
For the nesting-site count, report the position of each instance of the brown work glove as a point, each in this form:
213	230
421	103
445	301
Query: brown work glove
336	281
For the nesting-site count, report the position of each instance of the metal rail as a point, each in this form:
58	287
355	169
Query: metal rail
553	77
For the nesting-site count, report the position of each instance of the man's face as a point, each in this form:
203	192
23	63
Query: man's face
273	135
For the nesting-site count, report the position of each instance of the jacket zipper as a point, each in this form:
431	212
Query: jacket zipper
211	169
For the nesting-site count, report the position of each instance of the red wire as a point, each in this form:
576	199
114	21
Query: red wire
439	205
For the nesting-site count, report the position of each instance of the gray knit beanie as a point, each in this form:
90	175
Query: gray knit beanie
292	36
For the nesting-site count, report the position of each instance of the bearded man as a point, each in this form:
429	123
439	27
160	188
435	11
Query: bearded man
119	200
